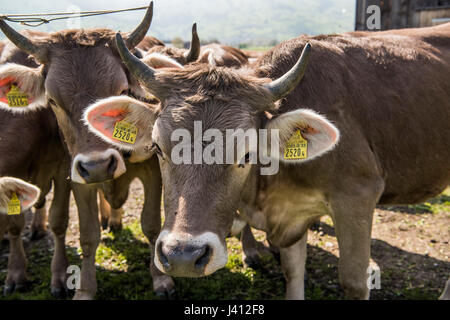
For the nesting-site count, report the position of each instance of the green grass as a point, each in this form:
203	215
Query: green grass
123	260
438	204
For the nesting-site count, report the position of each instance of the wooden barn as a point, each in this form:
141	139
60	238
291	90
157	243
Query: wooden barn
396	14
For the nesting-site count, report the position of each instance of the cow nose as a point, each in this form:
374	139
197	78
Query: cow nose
98	170
184	260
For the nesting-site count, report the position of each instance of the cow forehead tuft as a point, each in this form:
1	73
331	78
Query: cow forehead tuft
69	39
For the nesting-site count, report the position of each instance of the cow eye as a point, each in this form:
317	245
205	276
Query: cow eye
125	92
158	149
246	161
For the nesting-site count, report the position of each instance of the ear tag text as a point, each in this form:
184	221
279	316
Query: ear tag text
16	98
126	132
14	205
296	147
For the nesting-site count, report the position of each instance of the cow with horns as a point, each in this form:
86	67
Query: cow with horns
349	110
76	68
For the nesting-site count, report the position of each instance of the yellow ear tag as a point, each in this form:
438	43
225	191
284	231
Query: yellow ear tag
126	132
16	98
296	147
14	205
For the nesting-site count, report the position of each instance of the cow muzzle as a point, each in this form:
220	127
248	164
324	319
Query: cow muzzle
97	167
184	255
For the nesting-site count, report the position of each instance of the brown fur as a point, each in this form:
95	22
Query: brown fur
84	67
32	150
223	56
388	93
149	42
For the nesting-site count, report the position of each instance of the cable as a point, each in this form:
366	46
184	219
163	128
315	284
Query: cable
36	19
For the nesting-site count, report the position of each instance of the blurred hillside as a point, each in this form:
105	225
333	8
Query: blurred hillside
231	22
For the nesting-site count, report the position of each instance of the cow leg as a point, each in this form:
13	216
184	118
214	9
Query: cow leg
3	226
252	250
86	200
109	216
105	210
163	285
38	224
115	220
446	293
353	226
293	261
58	221
16	278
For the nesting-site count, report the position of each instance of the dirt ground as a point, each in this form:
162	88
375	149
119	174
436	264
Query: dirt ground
410	246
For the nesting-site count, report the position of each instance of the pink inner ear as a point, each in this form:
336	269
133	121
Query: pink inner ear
104	121
5	87
25	197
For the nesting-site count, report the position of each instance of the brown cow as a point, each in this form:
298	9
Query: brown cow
222	56
217	55
78	67
386	96
32	150
41	160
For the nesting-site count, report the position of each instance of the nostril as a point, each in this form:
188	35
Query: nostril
204	258
82	170
126	155
162	257
112	166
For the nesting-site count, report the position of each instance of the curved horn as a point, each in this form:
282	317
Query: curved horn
286	83
139	33
22	42
140	70
194	50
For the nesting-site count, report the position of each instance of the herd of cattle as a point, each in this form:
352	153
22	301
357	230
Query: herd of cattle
374	109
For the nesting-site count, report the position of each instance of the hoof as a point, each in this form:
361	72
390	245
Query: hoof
166	294
13	288
115	228
253	262
164	287
59	293
8	289
104	224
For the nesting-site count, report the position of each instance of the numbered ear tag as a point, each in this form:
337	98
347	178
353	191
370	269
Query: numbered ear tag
16	98
14	205
126	132
296	147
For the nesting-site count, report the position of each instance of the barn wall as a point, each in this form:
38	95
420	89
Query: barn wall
426	17
398	14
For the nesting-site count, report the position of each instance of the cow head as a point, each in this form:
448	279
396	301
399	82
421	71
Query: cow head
77	68
200	200
17	195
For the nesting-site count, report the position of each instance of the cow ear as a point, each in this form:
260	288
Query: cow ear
302	135
122	121
16	195
157	61
21	88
